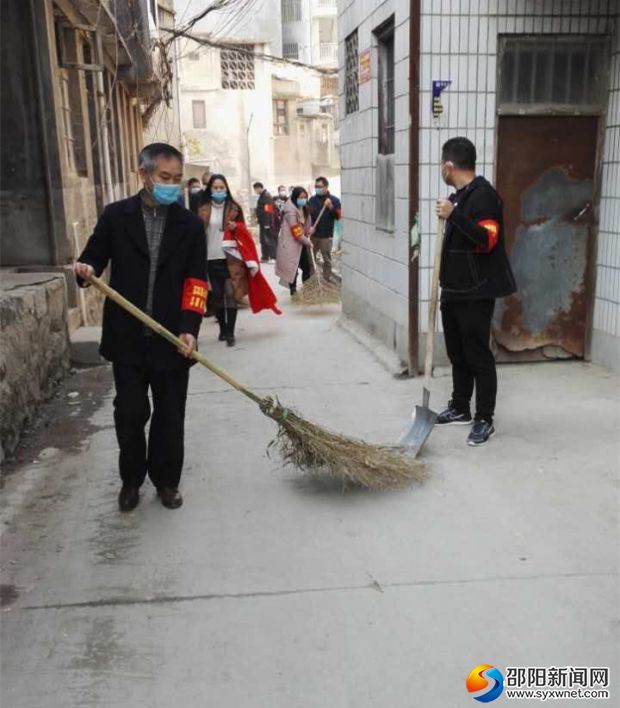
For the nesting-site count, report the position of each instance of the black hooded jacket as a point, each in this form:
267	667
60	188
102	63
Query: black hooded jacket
474	263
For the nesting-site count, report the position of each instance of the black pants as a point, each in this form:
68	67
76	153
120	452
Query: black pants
163	460
306	269
267	243
467	331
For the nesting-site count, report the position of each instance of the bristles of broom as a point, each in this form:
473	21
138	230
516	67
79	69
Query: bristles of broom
300	442
313	449
317	290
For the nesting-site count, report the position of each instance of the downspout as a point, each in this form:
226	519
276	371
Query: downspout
247	137
414	184
104	140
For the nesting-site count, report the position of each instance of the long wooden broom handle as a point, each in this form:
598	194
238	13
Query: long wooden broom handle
166	334
318	218
432	310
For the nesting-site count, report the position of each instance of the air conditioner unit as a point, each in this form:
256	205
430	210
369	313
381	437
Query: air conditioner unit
309	108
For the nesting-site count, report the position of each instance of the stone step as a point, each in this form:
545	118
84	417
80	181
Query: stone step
85	347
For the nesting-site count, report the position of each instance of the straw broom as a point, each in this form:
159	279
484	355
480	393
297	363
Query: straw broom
316	290
306	445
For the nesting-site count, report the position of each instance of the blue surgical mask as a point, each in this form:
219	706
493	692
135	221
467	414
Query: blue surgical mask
319	191
302	202
166	194
219	196
195	190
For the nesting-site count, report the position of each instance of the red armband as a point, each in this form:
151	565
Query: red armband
297	230
268	208
194	295
492	229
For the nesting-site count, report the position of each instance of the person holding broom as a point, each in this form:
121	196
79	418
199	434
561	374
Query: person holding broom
475	271
232	259
157	252
294	241
325	210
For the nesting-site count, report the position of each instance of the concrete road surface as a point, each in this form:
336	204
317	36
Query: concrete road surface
271	590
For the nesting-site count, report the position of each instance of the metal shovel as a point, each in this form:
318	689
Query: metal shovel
416	433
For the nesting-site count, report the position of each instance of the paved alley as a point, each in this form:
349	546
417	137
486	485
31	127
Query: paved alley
269	589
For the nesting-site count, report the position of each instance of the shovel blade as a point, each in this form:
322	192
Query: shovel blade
416	433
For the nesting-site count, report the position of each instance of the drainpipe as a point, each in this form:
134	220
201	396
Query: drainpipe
104	140
414	183
247	140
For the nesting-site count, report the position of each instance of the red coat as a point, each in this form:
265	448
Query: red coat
240	245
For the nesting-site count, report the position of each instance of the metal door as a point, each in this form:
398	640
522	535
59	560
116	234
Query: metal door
545	173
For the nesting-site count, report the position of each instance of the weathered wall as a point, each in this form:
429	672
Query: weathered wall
375	286
606	325
34	354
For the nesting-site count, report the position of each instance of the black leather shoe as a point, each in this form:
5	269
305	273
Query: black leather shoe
222	337
230	340
453	417
170	497
129	498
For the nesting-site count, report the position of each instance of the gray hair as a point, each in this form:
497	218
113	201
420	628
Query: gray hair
149	155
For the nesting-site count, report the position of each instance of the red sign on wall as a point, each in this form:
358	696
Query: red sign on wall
365	67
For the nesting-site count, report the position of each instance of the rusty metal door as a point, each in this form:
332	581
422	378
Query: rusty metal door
545	173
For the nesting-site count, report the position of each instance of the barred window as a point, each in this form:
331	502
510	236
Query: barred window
291	10
385	36
552	72
280	117
237	65
351	76
290	50
329	86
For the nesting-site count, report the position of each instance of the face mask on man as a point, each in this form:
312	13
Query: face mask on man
195	190
219	197
319	191
282	194
166	194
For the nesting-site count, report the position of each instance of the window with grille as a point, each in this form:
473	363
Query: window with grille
71	93
329	86
552	73
291	10
351	76
280	117
199	115
237	63
385	37
290	50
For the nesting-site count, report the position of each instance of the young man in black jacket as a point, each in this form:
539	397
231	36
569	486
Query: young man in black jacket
158	262
475	271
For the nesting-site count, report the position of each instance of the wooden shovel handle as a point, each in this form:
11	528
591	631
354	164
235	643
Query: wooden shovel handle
432	309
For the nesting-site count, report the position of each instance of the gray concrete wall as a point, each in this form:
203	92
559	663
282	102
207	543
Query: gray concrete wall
35	348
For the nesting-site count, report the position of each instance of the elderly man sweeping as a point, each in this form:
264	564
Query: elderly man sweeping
157	252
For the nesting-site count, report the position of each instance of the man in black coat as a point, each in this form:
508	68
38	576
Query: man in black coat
156	249
475	271
264	215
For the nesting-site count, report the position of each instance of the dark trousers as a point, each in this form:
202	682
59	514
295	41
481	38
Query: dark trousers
467	331
163	460
306	269
267	243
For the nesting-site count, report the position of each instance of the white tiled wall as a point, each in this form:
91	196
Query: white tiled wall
374	268
459	43
459	40
606	325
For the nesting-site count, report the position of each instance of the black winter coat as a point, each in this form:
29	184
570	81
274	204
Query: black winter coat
474	264
120	238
